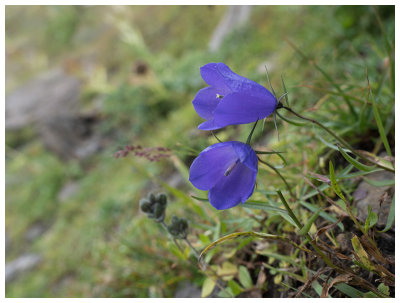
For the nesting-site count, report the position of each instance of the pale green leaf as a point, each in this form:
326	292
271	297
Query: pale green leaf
207	288
244	277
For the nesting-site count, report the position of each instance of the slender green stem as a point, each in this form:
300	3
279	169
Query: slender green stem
279	174
166	228
251	133
343	142
300	226
192	247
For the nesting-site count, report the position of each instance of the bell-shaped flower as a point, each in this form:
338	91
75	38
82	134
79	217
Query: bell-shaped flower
230	98
228	170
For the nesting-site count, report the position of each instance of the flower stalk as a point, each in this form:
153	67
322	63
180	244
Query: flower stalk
280	176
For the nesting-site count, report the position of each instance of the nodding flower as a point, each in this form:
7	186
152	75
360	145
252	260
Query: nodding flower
230	98
228	171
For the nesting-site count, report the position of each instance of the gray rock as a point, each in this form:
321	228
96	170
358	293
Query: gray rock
51	94
35	231
20	265
187	290
379	198
70	136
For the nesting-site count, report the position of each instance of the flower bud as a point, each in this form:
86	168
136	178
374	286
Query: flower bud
152	198
145	205
162	199
178	227
159	212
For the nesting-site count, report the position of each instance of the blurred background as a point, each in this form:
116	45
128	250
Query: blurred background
82	82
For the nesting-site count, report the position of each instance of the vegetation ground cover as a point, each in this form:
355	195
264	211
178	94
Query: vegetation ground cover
98	243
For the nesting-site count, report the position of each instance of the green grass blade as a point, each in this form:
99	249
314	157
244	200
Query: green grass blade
354	162
285	90
380	183
357	174
334	183
305	229
263	206
381	129
314	192
244	277
269	82
371	220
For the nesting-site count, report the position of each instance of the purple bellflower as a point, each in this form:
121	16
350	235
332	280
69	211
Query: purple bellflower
228	170
230	98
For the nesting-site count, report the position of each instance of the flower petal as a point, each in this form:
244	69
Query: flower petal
220	75
246	155
213	77
211	164
240	108
232	189
209	125
205	102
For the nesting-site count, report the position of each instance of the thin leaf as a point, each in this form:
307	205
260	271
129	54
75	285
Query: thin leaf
384	289
263	206
354	162
334	183
269	82
279	155
207	288
379	183
385	164
357	174
200	199
236	289
226	293
315	192
361	255
371	220
317	287
304	230
285	272
276	126
285	90
349	290
244	277
381	129
330	145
